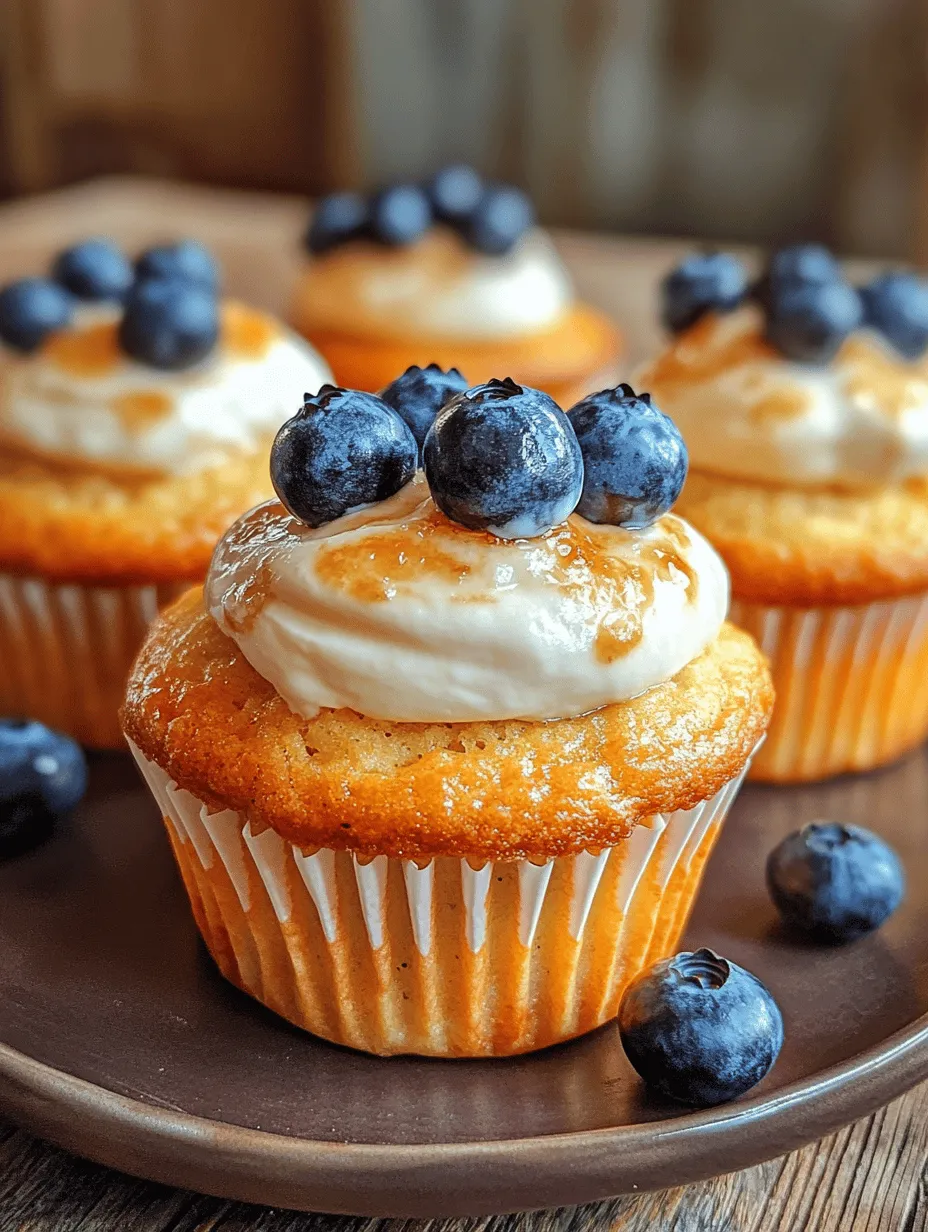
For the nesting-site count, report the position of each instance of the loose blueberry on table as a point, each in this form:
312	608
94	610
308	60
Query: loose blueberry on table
504	458
633	456
705	282
169	324
43	775
419	394
31	309
96	269
833	882
700	1029
343	450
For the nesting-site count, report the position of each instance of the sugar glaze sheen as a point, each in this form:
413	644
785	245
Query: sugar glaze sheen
396	612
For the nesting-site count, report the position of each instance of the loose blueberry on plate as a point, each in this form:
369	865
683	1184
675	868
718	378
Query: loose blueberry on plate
700	1029
169	324
336	219
419	394
31	309
97	269
400	214
705	282
896	305
43	775
808	321
344	450
499	220
634	459
834	882
504	459
186	261
455	192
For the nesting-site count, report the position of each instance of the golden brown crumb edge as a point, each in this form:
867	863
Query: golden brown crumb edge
813	547
70	525
500	790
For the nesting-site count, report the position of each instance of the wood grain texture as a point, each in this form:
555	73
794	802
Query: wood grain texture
870	1177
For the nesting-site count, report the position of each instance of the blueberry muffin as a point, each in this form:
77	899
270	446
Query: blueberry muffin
455	272
442	751
804	404
136	411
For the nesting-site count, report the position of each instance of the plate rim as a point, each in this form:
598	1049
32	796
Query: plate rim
451	1179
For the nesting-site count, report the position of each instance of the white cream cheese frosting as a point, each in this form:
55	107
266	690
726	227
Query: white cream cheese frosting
82	400
437	288
747	412
397	613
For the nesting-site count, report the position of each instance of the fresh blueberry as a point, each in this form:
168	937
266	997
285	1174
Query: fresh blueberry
499	220
504	459
343	450
810	263
455	192
186	261
32	308
43	775
634	459
808	321
419	394
168	324
336	219
97	269
400	214
896	305
704	282
699	1028
834	882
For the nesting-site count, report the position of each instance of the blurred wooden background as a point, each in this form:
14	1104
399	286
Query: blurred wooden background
760	121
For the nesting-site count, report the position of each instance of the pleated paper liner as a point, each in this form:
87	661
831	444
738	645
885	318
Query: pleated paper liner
851	685
447	957
66	651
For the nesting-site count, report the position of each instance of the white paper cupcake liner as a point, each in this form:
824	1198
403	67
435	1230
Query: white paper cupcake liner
446	957
66	651
851	685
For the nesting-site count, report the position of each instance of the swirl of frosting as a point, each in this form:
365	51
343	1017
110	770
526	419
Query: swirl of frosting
397	613
747	412
437	288
82	400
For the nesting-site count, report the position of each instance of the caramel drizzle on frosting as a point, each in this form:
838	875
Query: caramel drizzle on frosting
881	381
583	562
255	535
703	353
89	351
246	332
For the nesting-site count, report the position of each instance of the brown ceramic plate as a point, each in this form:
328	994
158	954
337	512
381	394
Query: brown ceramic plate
120	1041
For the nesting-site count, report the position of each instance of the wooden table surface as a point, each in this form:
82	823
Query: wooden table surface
872	1176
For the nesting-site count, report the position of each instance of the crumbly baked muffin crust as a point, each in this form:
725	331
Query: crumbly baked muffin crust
70	524
496	790
813	547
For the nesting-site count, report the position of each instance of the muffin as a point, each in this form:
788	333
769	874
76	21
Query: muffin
455	272
804	404
136	411
440	758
